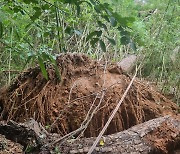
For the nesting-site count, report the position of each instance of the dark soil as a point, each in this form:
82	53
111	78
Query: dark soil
85	84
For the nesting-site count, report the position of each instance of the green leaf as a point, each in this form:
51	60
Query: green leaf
125	40
102	45
68	30
112	41
45	56
94	41
36	8
42	67
95	33
31	56
45	7
105	17
86	2
113	21
17	9
133	45
78	9
31	1
123	21
100	24
99	33
93	2
125	36
123	31
97	9
46	34
1	29
34	1
27	1
16	31
37	13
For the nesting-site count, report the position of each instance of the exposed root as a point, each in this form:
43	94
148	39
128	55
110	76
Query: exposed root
83	100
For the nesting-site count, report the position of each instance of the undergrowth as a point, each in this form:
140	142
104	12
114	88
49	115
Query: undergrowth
34	32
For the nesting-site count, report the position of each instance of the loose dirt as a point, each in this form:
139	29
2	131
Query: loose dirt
165	142
87	93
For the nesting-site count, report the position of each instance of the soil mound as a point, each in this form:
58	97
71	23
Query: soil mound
87	94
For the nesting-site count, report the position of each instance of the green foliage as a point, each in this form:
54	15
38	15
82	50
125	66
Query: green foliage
34	31
54	25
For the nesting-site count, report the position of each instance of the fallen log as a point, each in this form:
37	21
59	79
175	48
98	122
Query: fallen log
160	135
28	134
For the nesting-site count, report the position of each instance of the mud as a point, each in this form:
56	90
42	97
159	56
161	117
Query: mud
87	93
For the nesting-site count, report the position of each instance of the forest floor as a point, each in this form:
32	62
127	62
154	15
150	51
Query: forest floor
84	98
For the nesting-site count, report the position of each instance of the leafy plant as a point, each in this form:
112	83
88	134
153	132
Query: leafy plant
34	31
40	22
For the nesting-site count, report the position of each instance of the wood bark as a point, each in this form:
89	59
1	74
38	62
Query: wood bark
161	135
28	133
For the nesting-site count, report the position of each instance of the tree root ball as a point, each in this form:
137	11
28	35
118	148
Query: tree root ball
86	95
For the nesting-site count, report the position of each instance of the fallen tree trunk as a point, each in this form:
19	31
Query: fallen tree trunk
161	135
30	133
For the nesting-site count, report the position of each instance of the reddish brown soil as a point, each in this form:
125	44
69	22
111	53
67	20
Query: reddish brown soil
167	141
65	104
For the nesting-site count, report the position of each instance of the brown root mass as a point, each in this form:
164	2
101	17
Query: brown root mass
85	86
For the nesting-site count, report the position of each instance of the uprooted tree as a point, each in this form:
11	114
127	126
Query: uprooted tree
81	103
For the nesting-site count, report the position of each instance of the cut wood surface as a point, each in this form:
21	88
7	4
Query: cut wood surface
160	135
